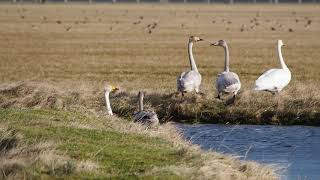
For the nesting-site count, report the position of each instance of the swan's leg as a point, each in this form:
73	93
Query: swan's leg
219	95
234	98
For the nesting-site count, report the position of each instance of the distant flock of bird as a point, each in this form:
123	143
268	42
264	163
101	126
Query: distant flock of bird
227	82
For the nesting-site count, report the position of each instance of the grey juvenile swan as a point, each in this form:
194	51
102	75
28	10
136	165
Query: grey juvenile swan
109	88
190	80
227	82
149	118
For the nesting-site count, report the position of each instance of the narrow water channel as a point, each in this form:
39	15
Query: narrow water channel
295	150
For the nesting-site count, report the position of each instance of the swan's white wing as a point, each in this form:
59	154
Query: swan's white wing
273	80
189	81
228	82
267	74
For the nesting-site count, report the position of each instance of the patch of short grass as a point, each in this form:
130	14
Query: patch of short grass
118	154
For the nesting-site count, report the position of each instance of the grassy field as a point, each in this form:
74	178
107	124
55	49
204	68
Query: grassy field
55	60
144	47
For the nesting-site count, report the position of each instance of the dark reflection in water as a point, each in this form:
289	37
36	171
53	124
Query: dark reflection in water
296	149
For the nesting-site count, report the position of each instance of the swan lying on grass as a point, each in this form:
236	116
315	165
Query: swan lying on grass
149	118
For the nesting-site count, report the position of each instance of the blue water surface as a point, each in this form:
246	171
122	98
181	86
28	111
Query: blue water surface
294	150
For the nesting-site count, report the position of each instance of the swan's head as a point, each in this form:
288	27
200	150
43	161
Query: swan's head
194	39
111	88
220	43
280	43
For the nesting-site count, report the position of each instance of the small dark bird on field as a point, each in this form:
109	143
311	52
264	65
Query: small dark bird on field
138	22
273	29
141	17
297	20
43	18
58	22
22	16
290	30
213	22
242	27
154	25
68	28
309	22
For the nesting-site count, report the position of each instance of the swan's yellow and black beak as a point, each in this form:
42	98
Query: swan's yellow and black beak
201	39
114	88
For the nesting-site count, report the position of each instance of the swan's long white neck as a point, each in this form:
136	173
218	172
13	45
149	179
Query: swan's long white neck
140	102
191	59
226	58
106	94
283	65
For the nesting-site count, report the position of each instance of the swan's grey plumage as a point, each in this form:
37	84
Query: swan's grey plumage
190	80
107	90
274	80
149	118
227	82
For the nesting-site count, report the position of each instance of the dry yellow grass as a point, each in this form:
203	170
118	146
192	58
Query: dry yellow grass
111	42
80	46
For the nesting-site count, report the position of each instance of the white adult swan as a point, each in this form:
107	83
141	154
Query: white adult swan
109	88
274	80
190	80
227	82
149	118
